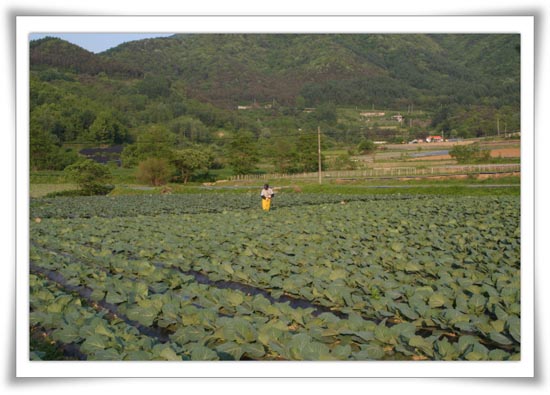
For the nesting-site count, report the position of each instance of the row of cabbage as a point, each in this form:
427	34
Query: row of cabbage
434	278
152	205
190	321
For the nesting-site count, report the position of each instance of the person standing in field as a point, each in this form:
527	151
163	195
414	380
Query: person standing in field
266	194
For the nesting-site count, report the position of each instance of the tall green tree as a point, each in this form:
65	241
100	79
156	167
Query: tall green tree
49	118
154	85
106	129
45	150
307	153
243	153
442	118
189	160
189	129
326	112
283	151
155	142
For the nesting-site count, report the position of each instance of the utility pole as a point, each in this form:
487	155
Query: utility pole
319	151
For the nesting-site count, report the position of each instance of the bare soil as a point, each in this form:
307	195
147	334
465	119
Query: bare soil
495	153
462	177
506	152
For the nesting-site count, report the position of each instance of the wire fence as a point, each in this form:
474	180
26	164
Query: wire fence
389	172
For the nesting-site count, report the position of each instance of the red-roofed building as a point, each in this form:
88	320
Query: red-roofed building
434	139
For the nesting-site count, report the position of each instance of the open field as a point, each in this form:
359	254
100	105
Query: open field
369	268
506	152
323	276
40	190
395	153
495	153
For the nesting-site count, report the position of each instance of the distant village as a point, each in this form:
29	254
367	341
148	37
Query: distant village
365	115
429	139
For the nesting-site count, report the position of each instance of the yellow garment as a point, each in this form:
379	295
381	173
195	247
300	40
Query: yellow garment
266	204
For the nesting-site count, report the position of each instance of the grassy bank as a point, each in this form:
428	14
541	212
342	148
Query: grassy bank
412	189
125	183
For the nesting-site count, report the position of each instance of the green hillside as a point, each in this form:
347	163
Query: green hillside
266	92
58	53
383	69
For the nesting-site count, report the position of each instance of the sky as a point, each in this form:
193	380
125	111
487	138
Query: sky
98	42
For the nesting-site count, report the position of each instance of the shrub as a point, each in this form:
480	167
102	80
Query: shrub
91	177
366	146
343	162
154	171
472	153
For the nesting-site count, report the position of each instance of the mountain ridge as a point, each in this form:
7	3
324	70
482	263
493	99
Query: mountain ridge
346	69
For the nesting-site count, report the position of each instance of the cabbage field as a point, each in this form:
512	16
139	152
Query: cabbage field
319	277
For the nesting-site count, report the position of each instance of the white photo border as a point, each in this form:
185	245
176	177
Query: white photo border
523	25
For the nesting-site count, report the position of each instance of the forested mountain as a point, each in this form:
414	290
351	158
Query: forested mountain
379	69
54	52
185	90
